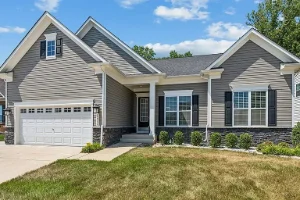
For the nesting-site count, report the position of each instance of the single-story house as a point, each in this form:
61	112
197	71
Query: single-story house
70	89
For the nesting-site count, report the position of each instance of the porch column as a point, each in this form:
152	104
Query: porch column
209	103
152	109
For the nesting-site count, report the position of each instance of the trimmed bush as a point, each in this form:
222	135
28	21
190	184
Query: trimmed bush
196	138
215	140
296	135
91	148
178	138
278	150
263	145
231	140
284	144
164	137
245	141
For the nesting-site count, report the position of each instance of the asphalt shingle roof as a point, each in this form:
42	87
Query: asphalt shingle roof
184	66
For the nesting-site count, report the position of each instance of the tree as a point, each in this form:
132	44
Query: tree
279	21
174	54
146	52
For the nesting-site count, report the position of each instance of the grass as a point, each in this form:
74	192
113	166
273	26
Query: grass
163	173
1	137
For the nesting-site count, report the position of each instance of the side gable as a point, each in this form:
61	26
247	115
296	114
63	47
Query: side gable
114	50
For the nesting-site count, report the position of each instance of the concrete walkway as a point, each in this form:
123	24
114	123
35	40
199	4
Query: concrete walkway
107	154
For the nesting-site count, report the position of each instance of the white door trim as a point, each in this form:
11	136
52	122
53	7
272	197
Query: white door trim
138	95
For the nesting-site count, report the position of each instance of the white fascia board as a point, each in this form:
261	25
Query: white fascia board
178	93
54	103
93	23
260	40
8	77
289	68
35	32
249	87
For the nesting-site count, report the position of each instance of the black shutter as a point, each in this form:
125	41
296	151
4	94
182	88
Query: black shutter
161	111
59	47
272	108
43	49
195	110
228	108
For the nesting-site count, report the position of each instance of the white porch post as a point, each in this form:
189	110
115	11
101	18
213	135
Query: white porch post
209	103
152	109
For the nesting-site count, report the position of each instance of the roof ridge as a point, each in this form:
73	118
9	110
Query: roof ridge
159	59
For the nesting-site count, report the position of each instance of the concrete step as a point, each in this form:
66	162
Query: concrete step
144	141
137	138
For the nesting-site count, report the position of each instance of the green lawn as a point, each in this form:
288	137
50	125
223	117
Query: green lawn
1	137
163	173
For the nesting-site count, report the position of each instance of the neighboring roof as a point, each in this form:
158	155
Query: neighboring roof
90	22
185	66
35	32
261	41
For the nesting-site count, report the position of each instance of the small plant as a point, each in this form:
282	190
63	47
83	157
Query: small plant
231	140
196	138
245	141
215	140
261	146
296	135
91	148
178	138
278	150
284	144
164	137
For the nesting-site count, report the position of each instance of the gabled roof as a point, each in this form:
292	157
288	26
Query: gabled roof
185	66
262	41
90	22
35	32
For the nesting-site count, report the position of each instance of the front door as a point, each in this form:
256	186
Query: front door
143	112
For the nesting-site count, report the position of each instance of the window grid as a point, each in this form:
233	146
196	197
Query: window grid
58	110
23	111
87	109
77	109
40	110
51	48
67	110
31	110
48	110
144	109
178	111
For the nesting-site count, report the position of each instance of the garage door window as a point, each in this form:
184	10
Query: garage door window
23	110
87	109
67	110
77	109
40	110
31	110
58	110
48	110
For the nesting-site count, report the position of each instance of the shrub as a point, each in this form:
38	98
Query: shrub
164	137
245	141
284	144
263	145
196	138
178	138
278	150
231	140
91	148
296	135
215	140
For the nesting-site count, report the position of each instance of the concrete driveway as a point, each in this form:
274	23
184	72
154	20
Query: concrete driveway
16	160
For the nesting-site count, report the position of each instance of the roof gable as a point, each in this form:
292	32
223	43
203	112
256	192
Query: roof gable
35	32
262	41
90	23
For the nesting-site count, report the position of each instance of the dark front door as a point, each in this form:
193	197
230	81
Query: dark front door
143	112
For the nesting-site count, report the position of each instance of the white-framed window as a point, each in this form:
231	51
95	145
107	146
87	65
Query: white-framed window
297	89
77	109
250	108
50	46
40	110
178	108
31	110
48	110
58	110
144	109
87	109
24	110
67	110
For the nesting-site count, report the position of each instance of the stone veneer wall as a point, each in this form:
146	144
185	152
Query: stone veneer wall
9	135
111	135
259	135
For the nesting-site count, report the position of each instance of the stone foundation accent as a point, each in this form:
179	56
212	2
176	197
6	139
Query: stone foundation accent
9	135
111	135
259	135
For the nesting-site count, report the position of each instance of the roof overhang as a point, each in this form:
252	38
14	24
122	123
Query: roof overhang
289	68
212	74
35	32
90	23
262	41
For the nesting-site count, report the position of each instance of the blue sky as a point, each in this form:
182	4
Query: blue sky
201	26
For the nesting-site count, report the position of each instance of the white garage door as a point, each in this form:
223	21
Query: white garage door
71	126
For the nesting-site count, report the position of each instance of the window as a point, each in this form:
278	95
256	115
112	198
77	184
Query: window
298	90
50	46
31	110
67	110
144	109
58	110
87	109
40	110
178	111
77	109
48	110
250	108
23	110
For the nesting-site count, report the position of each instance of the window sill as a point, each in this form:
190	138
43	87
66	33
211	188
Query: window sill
50	58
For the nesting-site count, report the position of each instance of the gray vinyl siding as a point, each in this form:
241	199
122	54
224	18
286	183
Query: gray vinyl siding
119	104
251	65
113	53
297	100
66	78
198	89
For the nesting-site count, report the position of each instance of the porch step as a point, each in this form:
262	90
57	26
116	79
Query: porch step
137	138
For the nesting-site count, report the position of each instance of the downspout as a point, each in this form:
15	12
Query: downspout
208	109
103	107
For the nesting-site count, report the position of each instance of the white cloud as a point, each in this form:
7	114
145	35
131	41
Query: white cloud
12	30
130	3
183	10
258	1
47	5
223	30
197	47
230	11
